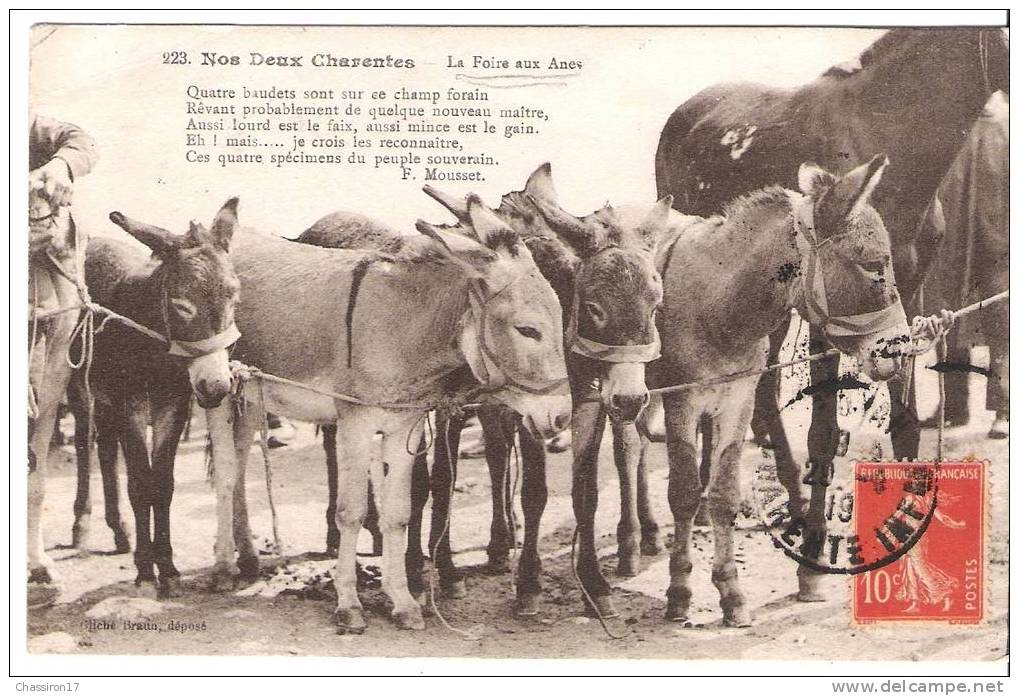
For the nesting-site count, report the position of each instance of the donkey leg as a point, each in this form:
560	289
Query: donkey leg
684	493
355	451
588	428
132	424
247	558
767	393
419	487
650	540
107	447
533	497
329	445
822	443
447	447
626	451
169	416
498	434
80	531
224	462
394	516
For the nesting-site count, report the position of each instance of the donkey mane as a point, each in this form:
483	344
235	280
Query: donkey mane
748	202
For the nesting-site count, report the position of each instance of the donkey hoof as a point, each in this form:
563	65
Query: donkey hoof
222	582
702	518
498	565
424	601
628	566
810	588
83	552
248	567
678	607
528	605
737	617
80	534
41	575
650	545
171	587
146	589
454	589
121	542
42	595
349	621
602	606
410	619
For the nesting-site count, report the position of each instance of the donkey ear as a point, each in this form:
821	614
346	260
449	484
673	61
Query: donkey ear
853	191
539	185
451	203
656	222
225	223
161	241
571	231
489	227
460	249
813	180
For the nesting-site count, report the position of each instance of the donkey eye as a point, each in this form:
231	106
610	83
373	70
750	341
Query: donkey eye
873	266
529	332
184	308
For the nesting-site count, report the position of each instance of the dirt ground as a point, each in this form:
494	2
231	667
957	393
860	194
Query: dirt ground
262	619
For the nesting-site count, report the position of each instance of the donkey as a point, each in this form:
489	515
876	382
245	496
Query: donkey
602	268
54	273
378	335
825	252
186	292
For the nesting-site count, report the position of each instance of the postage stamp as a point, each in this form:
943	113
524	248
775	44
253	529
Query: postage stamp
938	510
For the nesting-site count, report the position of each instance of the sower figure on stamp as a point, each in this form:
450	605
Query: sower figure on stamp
59	153
964	237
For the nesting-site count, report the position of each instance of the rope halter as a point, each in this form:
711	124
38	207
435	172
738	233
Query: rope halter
814	295
492	374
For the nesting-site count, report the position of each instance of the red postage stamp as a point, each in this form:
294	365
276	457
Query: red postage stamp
928	517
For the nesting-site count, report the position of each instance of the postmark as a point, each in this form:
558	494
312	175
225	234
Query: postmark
941	577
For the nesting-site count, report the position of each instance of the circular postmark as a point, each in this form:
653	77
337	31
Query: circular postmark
869	515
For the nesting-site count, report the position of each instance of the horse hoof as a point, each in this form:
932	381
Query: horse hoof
146	589
455	589
171	587
498	566
121	542
41	575
810	588
602	607
737	617
248	567
650	546
349	621
528	605
628	566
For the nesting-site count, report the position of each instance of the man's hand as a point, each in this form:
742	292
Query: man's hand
53	180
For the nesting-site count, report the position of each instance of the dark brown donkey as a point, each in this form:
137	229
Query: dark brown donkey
186	292
728	282
914	95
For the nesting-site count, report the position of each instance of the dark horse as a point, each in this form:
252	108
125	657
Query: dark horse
914	96
185	292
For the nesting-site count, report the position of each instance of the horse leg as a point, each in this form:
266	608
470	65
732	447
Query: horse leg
329	445
533	497
650	541
447	447
132	424
822	443
83	458
723	506
393	518
684	494
247	558
498	434
415	558
356	451
588	429
107	446
626	451
219	421
169	416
